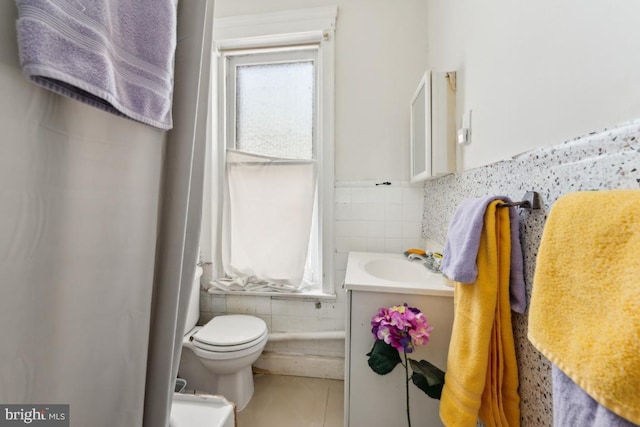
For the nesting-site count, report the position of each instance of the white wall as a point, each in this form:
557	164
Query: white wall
380	58
537	73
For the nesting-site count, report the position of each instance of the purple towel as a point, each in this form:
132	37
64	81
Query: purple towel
463	241
114	55
572	406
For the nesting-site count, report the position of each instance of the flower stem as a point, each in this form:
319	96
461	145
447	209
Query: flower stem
406	370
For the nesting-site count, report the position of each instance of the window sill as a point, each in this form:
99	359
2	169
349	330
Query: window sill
312	295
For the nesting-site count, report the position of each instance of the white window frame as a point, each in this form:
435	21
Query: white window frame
291	29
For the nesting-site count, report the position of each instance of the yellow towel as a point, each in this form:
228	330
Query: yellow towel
482	374
585	307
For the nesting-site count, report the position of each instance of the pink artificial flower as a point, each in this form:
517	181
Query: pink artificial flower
402	327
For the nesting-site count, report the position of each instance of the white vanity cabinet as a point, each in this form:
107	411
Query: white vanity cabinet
373	400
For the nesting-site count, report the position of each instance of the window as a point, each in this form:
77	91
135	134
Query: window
271	100
274	157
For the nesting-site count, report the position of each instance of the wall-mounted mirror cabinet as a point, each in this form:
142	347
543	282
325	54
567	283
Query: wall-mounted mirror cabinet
433	126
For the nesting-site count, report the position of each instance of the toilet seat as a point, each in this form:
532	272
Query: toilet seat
228	348
230	334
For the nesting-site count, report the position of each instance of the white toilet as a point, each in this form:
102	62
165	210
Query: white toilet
217	357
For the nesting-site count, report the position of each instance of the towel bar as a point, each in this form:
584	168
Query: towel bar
530	200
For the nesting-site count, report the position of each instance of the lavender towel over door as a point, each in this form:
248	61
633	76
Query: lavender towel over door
116	55
463	241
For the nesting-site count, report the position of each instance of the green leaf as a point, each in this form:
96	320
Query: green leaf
427	377
383	358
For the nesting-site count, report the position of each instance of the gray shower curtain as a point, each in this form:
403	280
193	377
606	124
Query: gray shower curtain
99	224
182	204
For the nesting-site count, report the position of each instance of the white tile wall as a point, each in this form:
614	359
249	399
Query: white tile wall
377	218
368	218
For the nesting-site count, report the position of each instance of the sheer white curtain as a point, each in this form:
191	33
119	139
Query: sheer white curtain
267	218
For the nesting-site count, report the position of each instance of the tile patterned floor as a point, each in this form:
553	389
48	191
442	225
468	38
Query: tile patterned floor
285	401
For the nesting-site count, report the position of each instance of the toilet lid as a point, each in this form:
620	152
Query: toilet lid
231	330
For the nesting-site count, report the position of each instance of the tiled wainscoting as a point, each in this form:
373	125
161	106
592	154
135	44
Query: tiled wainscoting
284	315
376	218
605	160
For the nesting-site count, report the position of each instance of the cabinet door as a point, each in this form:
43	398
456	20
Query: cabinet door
432	126
420	130
375	400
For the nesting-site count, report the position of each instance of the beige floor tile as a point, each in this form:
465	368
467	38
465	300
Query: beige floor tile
334	413
284	401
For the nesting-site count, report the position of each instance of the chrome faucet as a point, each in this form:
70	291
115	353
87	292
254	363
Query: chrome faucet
431	262
413	257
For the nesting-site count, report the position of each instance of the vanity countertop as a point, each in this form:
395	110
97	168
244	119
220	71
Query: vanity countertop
392	273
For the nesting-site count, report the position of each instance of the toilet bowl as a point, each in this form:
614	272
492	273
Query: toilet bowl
217	357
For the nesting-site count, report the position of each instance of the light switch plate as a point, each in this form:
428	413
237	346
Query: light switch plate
463	135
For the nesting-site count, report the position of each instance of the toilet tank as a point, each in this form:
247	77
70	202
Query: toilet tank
193	311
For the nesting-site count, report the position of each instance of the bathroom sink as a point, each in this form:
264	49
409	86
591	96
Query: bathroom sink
384	272
400	270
